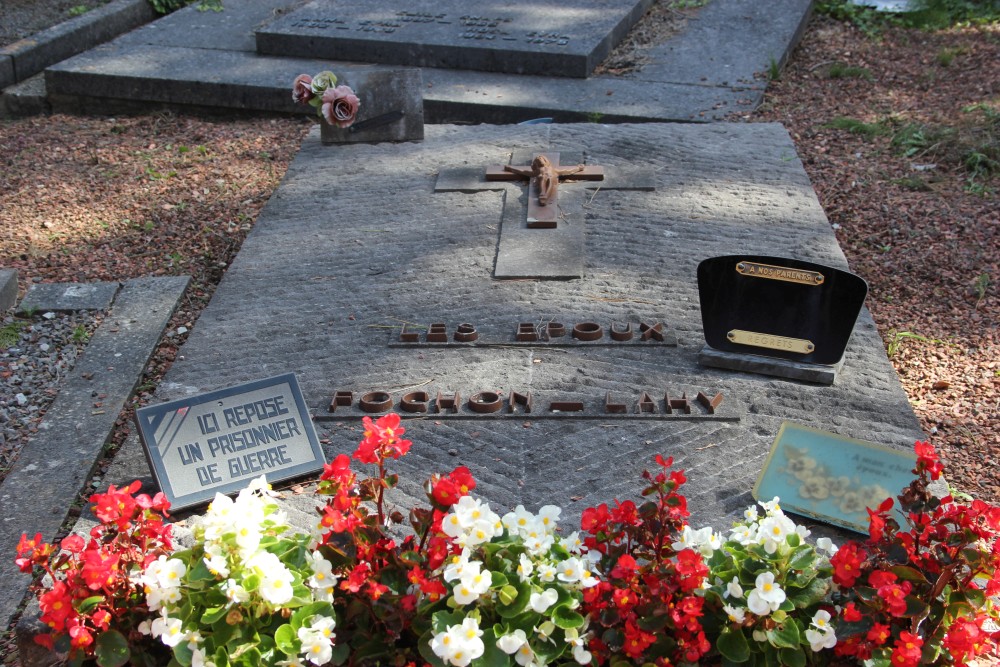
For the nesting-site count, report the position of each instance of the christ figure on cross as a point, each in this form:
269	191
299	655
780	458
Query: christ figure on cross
546	176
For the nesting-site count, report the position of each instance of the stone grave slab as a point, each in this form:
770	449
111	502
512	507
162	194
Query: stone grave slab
68	296
8	288
568	38
351	253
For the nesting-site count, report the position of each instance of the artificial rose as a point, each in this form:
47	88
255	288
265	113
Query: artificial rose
302	89
340	106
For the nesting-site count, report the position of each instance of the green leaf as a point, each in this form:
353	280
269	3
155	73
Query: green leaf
507	595
492	656
341	653
733	645
286	640
785	636
908	573
566	618
499	580
802	557
111	649
213	614
520	602
89	603
792	657
250	657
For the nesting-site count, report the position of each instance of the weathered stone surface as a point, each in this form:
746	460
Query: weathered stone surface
7	77
26	98
569	38
347	250
31	55
43	297
392	109
200	60
8	288
53	467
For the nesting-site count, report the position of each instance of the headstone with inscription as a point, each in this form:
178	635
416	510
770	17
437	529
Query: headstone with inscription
567	38
778	316
218	441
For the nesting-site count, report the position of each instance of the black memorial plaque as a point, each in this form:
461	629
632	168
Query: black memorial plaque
779	307
217	442
568	38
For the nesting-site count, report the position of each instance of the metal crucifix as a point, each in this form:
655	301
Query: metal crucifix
544	175
550	243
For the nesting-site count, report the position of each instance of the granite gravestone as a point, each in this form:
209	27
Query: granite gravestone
343	258
567	38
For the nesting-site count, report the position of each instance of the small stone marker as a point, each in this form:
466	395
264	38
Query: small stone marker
549	241
392	108
778	316
8	288
217	442
65	297
830	477
568	38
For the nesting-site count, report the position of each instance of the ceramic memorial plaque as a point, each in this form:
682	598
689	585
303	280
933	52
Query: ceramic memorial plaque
217	442
832	478
779	307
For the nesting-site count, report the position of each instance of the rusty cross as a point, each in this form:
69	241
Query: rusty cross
544	175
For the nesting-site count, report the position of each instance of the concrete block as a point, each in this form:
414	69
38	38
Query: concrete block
7	77
27	98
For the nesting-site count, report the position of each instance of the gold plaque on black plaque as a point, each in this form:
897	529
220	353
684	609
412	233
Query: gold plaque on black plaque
770	342
788	274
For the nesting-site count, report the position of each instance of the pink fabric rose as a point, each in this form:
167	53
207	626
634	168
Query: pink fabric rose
302	89
340	106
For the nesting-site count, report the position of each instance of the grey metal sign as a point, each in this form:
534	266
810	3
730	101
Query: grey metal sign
217	442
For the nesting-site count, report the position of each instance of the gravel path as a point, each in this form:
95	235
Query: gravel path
36	353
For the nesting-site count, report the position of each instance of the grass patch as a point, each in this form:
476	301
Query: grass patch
10	333
972	143
843	71
913	183
859	127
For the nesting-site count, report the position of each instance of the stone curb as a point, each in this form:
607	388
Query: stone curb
8	289
29	56
74	431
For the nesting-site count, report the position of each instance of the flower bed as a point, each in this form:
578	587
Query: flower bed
463	585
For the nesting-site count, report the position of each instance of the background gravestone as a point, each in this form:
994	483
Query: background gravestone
342	257
567	38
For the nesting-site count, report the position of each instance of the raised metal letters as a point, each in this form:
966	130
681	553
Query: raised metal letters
800	276
770	342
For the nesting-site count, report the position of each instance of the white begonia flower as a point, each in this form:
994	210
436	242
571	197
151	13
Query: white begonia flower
172	573
198	658
323	577
275	579
217	564
539	602
802	532
733	588
474	583
546	572
512	642
572	543
548	515
316	648
517	521
821	639
736	614
703	540
826	545
456	564
744	535
774	530
294	661
766	596
169	630
524	568
759	636
324	625
539	542
145	627
545	630
572	570
459	644
771	506
750	514
525	656
235	593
